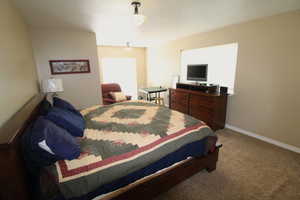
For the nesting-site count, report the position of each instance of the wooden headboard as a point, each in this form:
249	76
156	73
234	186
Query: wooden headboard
13	176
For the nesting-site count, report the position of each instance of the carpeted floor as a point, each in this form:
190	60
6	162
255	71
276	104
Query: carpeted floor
248	169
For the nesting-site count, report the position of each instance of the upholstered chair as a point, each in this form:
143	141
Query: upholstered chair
107	88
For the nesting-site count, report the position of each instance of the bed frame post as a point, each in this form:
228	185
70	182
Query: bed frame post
211	168
212	165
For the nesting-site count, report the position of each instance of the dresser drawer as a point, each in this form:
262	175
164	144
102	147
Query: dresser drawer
203	118
179	101
180	108
202	113
203	101
207	107
180	98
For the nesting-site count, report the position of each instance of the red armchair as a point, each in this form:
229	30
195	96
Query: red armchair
110	87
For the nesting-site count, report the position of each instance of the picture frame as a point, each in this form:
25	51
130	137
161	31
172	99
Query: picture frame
69	66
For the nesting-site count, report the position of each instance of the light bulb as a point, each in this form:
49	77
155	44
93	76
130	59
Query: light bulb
138	19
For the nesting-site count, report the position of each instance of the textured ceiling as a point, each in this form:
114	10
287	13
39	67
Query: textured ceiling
166	19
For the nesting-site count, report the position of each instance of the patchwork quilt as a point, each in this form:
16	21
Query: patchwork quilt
122	138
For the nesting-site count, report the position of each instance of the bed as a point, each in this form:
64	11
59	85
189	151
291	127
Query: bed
128	149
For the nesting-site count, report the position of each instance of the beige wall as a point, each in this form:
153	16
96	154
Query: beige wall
267	100
18	79
82	90
120	52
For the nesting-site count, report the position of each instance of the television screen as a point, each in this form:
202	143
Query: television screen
197	72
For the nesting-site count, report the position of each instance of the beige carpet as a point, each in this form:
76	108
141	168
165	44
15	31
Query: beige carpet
247	169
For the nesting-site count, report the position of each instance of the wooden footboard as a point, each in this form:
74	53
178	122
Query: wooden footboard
165	181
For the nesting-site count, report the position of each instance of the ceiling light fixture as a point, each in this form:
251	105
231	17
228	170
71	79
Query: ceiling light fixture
138	19
128	46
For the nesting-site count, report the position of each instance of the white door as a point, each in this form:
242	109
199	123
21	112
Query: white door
121	71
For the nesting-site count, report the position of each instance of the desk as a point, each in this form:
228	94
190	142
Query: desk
150	90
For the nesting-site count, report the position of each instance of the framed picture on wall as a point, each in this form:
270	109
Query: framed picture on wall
69	66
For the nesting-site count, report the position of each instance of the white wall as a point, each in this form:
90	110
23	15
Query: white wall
82	90
221	62
162	66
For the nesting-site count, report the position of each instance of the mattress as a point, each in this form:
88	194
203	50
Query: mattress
125	142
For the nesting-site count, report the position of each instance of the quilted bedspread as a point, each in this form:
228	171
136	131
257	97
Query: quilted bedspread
122	138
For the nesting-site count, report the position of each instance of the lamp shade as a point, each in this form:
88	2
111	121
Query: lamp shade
52	85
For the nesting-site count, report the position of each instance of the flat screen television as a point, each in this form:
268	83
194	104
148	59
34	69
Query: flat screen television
197	72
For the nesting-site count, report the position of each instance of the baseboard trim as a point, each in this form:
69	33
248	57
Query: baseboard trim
263	138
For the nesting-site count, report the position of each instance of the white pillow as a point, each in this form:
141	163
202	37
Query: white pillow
118	96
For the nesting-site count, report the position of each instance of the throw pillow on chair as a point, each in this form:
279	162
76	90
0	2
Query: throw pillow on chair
118	96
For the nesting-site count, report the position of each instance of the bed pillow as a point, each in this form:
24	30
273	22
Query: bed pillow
118	96
67	120
63	104
61	145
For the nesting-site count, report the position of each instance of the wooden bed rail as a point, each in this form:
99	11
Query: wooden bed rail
165	181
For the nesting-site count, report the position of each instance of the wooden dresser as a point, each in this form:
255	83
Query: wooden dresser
207	107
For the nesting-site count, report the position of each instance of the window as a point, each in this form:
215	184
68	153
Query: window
221	63
121	71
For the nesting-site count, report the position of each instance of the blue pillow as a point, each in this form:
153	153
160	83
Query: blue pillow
63	104
60	142
71	122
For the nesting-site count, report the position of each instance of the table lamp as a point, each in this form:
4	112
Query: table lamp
52	85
